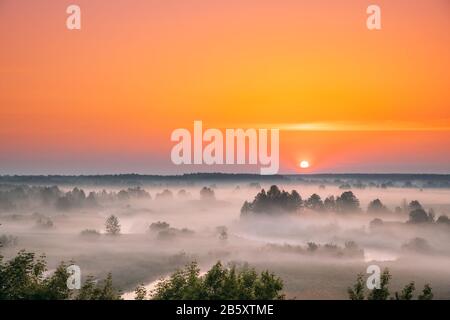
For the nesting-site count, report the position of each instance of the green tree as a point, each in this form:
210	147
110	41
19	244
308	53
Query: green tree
140	293
407	292
112	225
22	278
427	293
219	283
357	292
91	290
383	292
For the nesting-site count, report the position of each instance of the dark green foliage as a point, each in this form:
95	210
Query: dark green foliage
23	278
383	292
93	291
426	294
407	292
275	200
140	292
219	283
357	291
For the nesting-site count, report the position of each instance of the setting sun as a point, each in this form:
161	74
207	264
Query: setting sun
304	164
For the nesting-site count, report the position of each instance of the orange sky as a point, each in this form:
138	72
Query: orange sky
106	98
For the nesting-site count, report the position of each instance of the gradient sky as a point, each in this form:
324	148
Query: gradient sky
106	99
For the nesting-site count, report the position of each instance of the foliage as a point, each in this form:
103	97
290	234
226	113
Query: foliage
419	216
275	200
140	292
376	206
426	294
91	290
383	292
219	283
314	202
347	202
23	278
112	225
407	292
357	291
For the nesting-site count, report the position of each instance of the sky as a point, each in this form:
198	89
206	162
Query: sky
105	99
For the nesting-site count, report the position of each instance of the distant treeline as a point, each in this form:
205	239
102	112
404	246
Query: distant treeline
278	201
351	180
24	196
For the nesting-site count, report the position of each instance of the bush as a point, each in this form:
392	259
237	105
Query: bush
219	283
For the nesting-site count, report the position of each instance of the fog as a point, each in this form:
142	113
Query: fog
317	253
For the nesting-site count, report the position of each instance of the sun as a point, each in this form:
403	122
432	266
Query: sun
304	164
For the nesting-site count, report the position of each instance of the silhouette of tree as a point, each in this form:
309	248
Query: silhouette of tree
112	225
376	206
347	202
330	204
207	194
418	216
414	205
315	203
275	200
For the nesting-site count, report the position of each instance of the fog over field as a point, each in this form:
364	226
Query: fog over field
316	246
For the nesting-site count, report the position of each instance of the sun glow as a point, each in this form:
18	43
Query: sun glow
304	164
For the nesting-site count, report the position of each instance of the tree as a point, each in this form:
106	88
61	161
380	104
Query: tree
407	292
112	225
427	293
314	202
140	292
414	205
330	204
91	290
383	292
376	206
275	200
357	291
219	283
443	219
347	202
22	277
418	216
